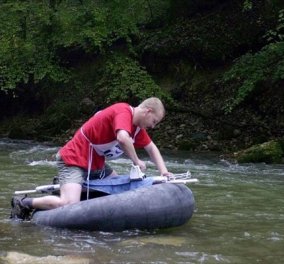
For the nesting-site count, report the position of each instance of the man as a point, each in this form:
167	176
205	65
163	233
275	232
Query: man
118	129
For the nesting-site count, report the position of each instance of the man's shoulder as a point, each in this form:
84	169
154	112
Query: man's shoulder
121	105
120	108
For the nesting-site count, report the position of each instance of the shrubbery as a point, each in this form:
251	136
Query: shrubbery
250	71
123	79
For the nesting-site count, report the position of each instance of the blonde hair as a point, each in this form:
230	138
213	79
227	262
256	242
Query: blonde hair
155	104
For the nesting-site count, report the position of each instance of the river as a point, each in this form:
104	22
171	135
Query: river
239	215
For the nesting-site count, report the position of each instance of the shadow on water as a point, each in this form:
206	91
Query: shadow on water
238	219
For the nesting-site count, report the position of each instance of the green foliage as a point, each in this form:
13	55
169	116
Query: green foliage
22	127
58	117
125	80
37	36
277	34
247	5
253	69
188	8
92	25
24	46
220	36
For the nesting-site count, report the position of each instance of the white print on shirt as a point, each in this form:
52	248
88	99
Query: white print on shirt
110	150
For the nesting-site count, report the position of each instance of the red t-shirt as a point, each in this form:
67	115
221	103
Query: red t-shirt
100	130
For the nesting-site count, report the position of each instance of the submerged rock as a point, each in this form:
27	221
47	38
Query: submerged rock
21	258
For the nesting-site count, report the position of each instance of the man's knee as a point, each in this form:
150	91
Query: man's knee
63	202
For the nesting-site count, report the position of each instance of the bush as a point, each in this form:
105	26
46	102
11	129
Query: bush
251	70
58	118
221	35
123	79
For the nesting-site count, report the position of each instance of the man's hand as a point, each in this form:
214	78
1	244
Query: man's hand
169	175
142	165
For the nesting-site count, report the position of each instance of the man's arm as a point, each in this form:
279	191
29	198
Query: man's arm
157	158
126	143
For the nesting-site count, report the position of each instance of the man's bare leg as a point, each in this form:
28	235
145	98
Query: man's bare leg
69	193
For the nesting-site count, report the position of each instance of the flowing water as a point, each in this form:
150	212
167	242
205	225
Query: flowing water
239	215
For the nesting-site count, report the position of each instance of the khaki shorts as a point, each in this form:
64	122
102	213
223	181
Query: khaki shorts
73	174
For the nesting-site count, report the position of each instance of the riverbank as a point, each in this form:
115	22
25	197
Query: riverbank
201	128
178	131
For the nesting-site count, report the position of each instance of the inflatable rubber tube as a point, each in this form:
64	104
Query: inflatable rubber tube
157	206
